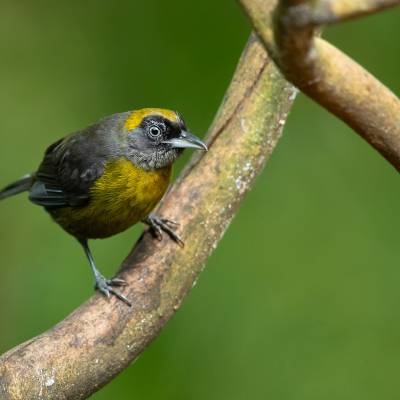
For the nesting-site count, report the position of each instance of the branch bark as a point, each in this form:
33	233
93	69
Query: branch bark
325	12
325	73
98	340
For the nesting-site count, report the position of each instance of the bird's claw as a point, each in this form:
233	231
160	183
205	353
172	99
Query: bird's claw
105	286
170	222
160	225
116	282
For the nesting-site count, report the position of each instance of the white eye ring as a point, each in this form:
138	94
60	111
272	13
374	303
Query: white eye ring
154	131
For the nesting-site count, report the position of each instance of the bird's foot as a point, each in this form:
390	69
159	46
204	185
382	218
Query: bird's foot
105	286
159	225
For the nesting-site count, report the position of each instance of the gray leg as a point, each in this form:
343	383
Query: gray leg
104	285
159	225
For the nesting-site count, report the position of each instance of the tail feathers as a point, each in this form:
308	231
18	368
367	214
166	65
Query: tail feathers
19	186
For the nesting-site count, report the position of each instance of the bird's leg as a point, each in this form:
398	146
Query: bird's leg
159	225
105	286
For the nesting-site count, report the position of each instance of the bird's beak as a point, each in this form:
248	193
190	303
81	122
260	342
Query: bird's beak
187	140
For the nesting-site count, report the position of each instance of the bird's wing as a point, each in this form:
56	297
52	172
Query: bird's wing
69	168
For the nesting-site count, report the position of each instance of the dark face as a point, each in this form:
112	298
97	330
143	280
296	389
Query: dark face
158	141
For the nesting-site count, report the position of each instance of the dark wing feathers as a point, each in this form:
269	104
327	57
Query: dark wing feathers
46	196
69	168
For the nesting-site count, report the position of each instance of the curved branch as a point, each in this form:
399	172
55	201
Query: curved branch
325	73
325	12
98	340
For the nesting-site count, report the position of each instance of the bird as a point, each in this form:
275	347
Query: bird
101	180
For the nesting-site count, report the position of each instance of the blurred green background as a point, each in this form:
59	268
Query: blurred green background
301	299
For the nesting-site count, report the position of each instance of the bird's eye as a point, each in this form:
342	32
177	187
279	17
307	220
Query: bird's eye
154	131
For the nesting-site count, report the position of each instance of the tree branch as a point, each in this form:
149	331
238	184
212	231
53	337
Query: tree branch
332	11
98	340
325	73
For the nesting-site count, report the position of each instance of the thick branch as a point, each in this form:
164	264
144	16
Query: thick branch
331	11
99	339
326	74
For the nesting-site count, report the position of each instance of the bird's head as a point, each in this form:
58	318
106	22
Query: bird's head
156	137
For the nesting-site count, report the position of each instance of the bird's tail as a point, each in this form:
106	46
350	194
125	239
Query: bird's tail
19	186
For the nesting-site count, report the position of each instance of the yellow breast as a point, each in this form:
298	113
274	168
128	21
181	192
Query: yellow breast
122	196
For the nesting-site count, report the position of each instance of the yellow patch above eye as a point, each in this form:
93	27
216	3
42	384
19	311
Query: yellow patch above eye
136	117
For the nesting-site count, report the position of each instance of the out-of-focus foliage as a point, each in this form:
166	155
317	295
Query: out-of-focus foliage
301	299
